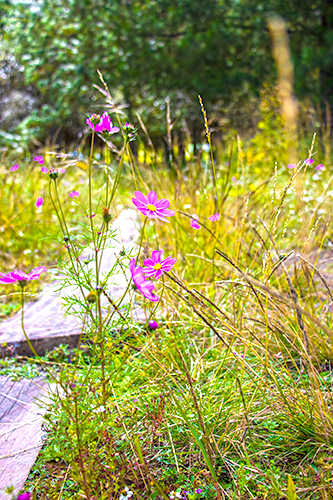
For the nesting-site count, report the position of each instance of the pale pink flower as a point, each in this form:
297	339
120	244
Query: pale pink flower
104	124
14	168
74	194
214	217
195	224
39	201
16	275
40	159
292	165
151	207
320	167
309	161
44	170
156	267
143	286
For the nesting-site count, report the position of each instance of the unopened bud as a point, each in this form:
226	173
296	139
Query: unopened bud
107	214
54	174
91	297
95	119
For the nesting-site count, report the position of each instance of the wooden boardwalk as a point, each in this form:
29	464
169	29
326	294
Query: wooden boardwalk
22	403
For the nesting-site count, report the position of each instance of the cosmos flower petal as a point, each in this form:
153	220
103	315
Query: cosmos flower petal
167	212
156	256
6	279
74	194
158	274
152	198
40	159
141	197
39	201
149	262
18	275
35	274
163	203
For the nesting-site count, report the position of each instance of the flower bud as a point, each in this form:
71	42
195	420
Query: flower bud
107	214
129	131
54	174
95	119
91	297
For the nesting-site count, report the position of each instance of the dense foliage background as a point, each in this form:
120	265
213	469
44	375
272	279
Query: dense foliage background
149	51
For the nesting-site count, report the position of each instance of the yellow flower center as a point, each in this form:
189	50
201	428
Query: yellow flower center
152	208
158	266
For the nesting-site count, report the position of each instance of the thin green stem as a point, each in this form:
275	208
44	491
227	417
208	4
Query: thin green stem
78	437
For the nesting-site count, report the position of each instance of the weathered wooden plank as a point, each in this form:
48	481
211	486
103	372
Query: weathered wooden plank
21	417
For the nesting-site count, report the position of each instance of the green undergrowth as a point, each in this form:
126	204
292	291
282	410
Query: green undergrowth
231	397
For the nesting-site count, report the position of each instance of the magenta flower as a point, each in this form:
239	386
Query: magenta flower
143	286
22	276
195	224
74	194
153	325
151	207
320	167
104	124
39	201
155	267
14	168
214	217
198	491
44	170
24	496
309	161
40	159
292	165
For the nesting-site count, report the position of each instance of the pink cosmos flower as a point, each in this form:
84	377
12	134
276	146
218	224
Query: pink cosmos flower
309	161
195	224
40	159
320	167
74	194
104	124
24	496
151	207
14	168
143	286
44	170
39	201
214	217
155	267
153	325
292	165
22	276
